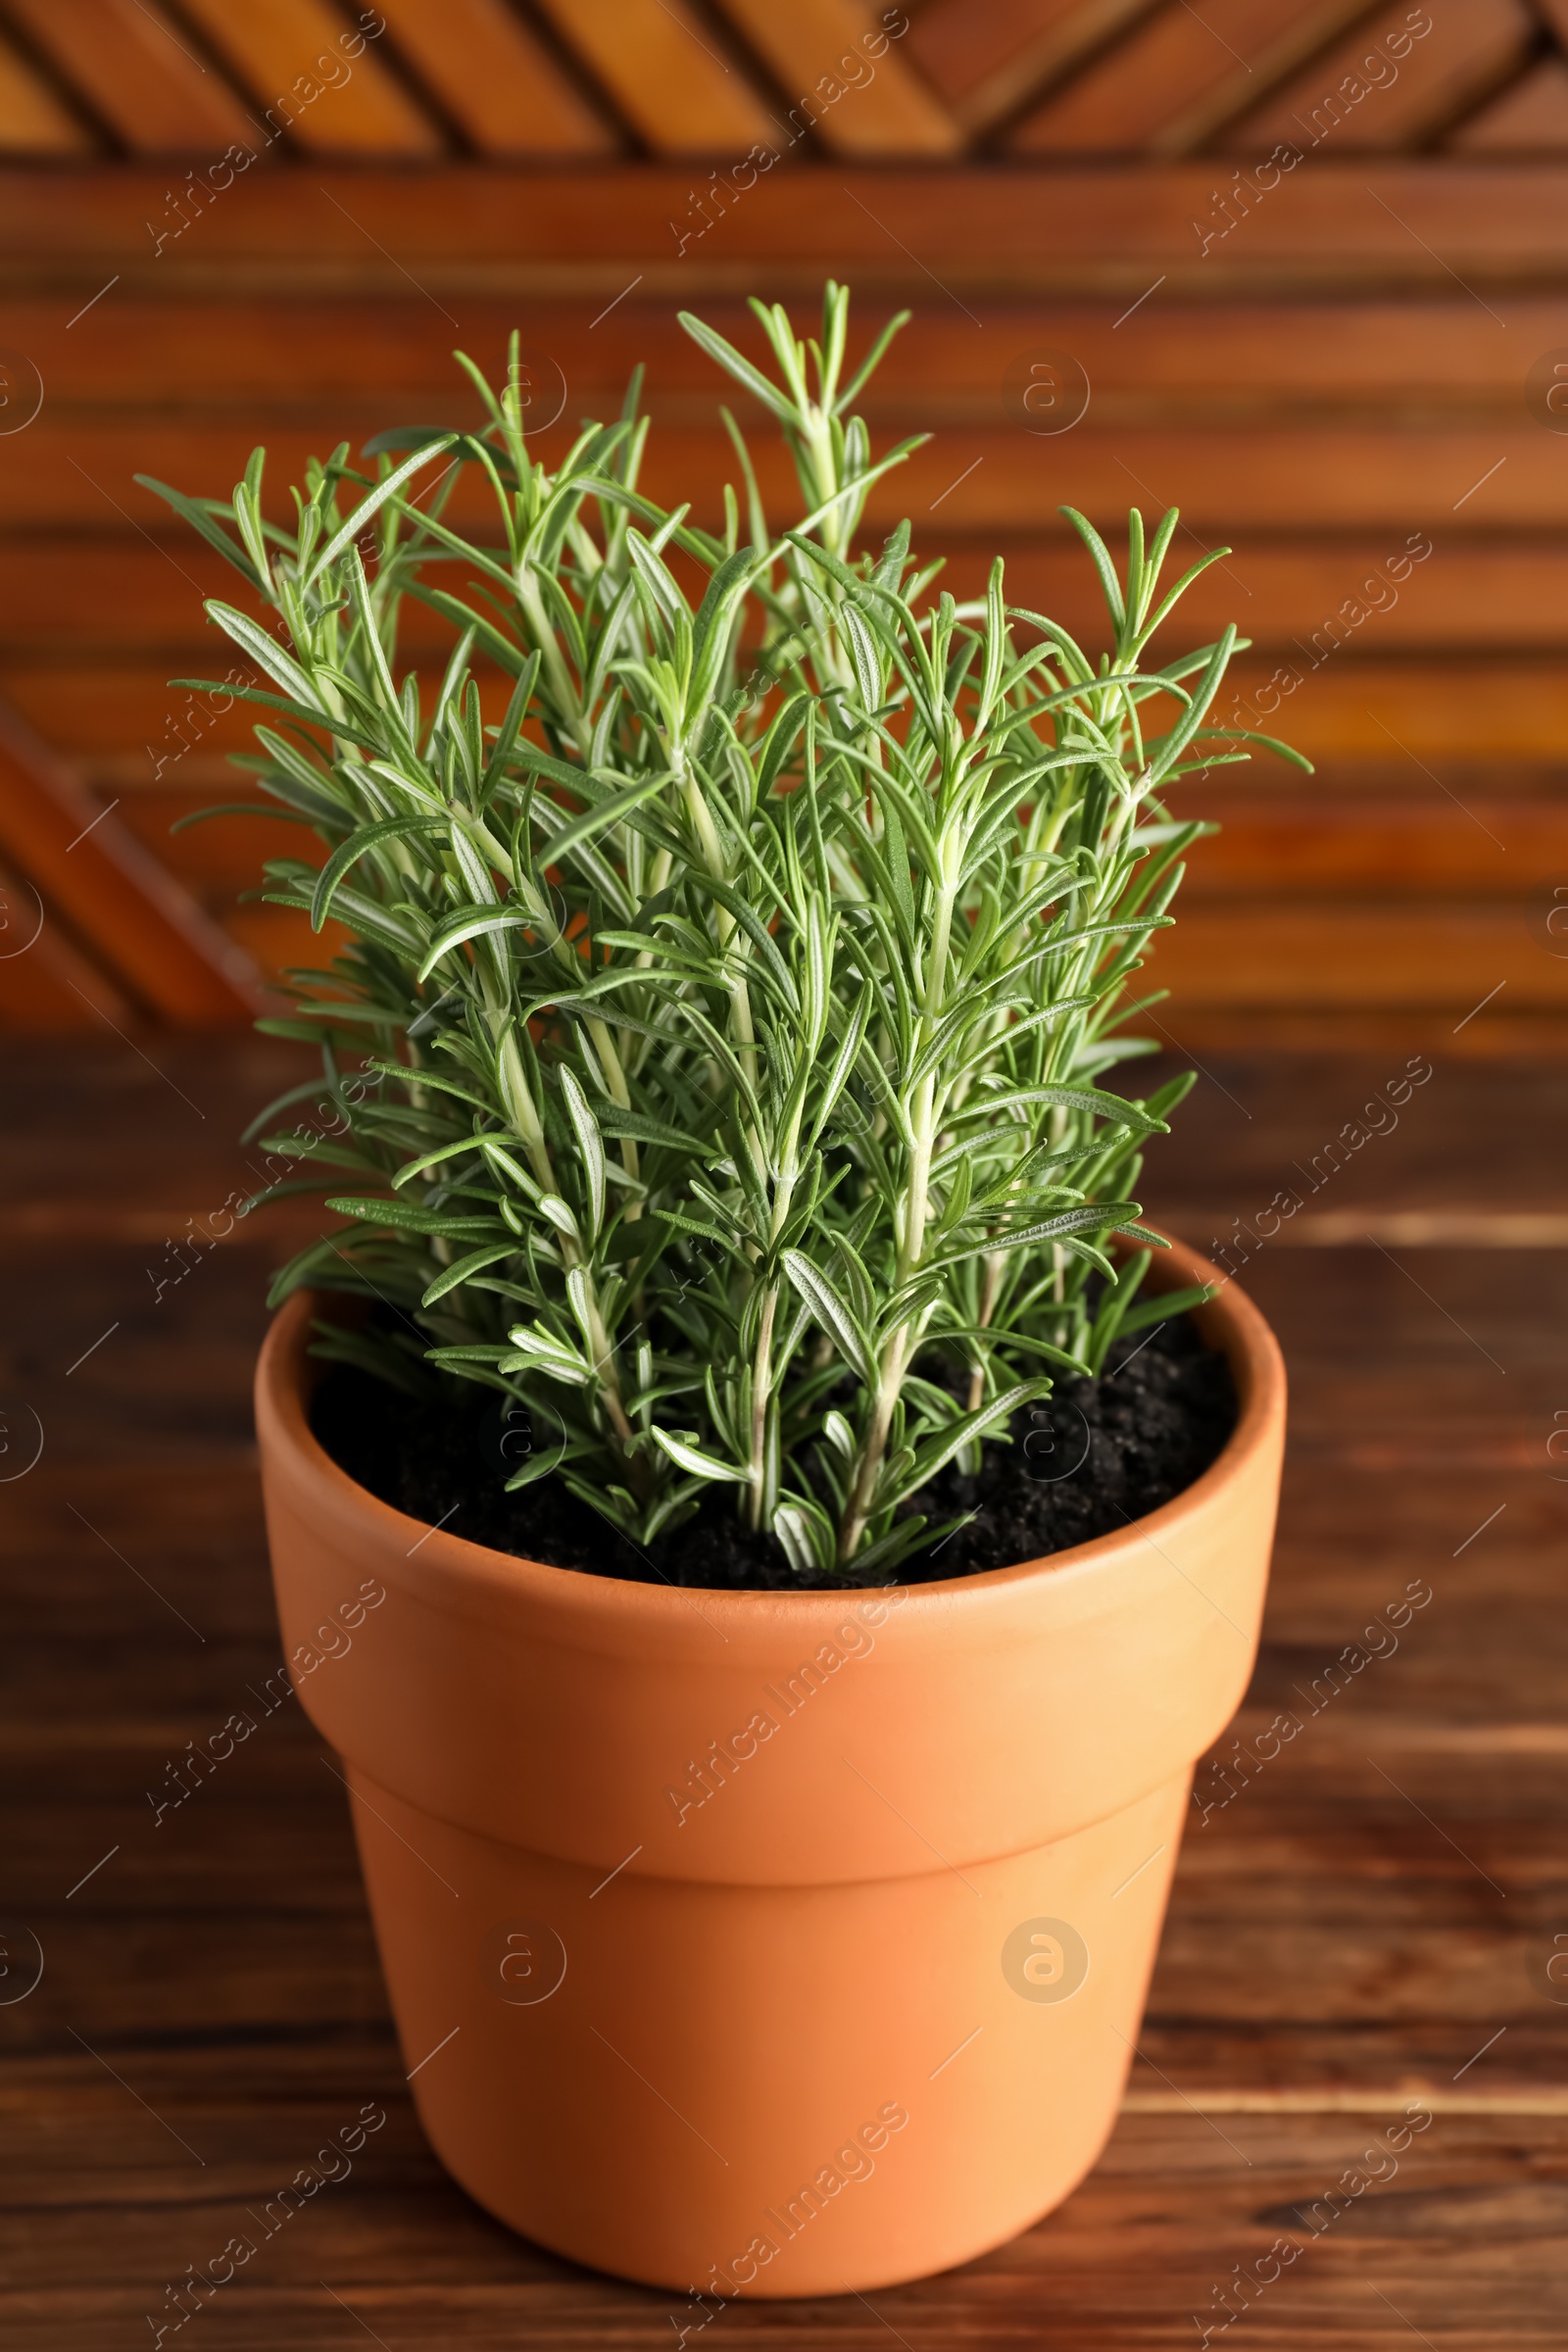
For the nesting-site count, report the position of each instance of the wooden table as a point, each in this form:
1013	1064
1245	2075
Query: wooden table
1371	1919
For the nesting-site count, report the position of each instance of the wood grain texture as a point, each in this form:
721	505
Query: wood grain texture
1272	844
34	119
211	2010
1490	595
1176	76
1348	710
139	73
1397	356
512	229
495	75
1529	118
316	75
1366	94
670	74
986	57
852	57
992	479
47	984
1097	78
124	905
1328	954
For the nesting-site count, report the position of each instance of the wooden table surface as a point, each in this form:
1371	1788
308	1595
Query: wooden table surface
1371	1920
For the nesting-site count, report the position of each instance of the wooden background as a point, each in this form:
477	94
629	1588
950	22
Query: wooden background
1349	365
1363	356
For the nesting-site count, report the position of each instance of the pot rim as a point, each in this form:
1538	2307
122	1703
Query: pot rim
1228	1320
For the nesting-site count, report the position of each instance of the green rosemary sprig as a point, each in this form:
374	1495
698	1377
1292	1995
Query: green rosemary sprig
731	990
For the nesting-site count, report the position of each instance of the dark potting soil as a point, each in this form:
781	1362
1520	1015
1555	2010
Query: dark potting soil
1089	1459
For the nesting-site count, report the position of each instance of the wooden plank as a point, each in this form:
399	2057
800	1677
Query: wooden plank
1348	711
1238	1138
139	73
1377	361
1205	116
1267	954
1330	954
33	119
1497	1300
1296	845
275	938
982	479
125	594
1439	1164
121	711
217	859
1318	1589
988	57
669	76
1351	707
1363	96
1425	1229
1501	711
1166	85
1508	595
139	920
1209	1033
1152	2245
167	1162
1504	709
498	80
885	110
1273	478
1084	2286
316	76
1531	117
1299	848
507	231
118	591
47	986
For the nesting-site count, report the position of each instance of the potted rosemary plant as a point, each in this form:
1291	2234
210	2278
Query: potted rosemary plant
771	1739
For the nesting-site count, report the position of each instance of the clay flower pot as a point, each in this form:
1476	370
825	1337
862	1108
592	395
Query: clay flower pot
769	1943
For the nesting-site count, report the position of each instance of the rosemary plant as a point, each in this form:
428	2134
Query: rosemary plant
720	1036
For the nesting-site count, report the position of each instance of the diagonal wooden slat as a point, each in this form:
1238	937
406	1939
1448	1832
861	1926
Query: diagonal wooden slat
988	58
321	72
1406	97
1300	31
1529	118
138	70
136	918
32	120
1169	82
1165	78
666	74
497	80
46	984
817	49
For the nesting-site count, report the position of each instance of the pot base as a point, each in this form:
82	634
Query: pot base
758	2090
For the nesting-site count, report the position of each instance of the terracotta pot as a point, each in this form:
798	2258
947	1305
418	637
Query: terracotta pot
769	1943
